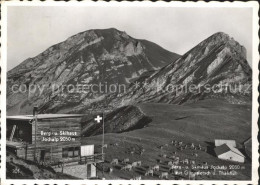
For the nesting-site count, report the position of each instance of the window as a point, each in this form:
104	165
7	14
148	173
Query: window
70	152
76	151
65	152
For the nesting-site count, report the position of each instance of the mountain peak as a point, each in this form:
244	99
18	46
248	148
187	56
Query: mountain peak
106	56
233	44
217	60
221	34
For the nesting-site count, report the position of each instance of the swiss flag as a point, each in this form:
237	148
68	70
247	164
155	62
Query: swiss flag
98	119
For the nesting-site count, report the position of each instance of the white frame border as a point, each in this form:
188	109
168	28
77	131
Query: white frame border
255	59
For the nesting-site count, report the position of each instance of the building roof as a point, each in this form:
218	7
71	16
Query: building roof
221	149
235	150
43	116
219	142
225	148
14	144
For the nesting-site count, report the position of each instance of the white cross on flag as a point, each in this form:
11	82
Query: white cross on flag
98	118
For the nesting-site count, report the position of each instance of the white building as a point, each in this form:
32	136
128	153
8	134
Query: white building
227	152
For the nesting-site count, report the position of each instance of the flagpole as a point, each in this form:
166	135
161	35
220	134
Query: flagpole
103	134
103	140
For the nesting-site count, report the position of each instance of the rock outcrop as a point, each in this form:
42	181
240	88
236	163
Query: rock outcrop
120	120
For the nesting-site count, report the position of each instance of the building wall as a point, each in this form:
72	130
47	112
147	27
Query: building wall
52	150
231	156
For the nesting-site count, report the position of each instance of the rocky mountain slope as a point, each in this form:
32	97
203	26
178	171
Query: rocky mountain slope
214	69
120	120
104	56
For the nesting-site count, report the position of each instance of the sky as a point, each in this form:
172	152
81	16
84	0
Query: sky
31	30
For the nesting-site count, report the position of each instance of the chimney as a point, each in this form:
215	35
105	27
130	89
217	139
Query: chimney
35	110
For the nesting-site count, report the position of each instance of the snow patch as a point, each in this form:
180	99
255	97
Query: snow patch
134	75
218	61
96	99
141	71
188	79
129	63
96	72
91	43
131	50
60	69
121	65
188	57
127	79
87	80
206	51
108	70
156	68
91	67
